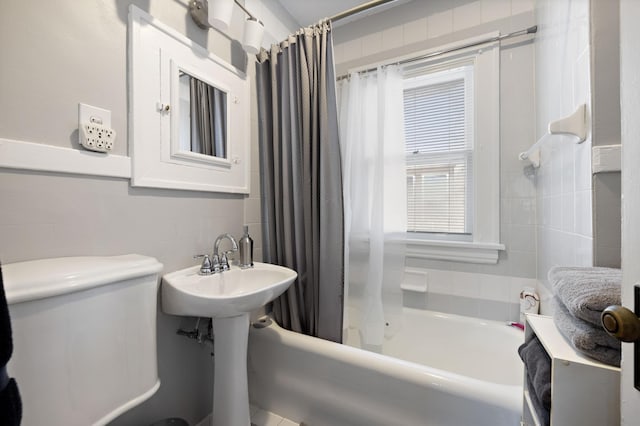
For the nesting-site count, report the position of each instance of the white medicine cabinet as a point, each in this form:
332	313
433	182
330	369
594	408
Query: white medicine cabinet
189	112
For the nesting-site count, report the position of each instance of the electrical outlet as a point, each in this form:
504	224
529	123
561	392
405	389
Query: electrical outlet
94	125
97	137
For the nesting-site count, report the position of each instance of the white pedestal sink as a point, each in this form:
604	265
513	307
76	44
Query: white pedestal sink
227	297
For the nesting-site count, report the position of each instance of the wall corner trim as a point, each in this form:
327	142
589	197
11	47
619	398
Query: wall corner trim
606	158
24	155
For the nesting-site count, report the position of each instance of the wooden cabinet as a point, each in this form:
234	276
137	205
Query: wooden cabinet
584	391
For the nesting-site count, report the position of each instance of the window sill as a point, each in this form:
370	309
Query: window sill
454	251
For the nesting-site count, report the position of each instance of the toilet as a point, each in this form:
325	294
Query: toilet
84	336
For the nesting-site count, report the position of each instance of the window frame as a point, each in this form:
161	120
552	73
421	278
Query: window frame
444	74
484	246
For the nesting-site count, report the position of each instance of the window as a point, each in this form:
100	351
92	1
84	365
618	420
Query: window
452	139
438	111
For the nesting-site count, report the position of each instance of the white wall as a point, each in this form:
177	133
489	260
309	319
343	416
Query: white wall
55	55
489	291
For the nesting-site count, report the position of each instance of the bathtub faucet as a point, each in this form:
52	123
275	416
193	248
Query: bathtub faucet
222	261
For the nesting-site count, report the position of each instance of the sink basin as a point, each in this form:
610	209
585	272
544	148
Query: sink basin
227	297
227	294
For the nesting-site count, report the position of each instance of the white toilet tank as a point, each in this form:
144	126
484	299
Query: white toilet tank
84	336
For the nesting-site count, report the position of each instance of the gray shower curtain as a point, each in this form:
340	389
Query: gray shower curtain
301	179
208	119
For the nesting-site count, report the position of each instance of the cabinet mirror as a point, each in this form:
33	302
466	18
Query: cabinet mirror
189	113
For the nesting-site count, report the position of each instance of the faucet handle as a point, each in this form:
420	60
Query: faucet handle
224	261
205	267
216	264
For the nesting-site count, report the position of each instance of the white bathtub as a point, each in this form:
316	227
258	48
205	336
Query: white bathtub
474	376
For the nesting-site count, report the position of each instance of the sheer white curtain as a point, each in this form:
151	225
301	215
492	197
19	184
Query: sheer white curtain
374	186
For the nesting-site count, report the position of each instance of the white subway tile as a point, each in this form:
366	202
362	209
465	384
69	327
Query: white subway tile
352	49
568	212
465	284
338	53
583	214
546	296
415	31
544	219
517	185
567	177
583	167
440	24
581	78
556	212
506	208
583	248
392	38
493	10
522	238
514	312
567	246
522	264
493	287
440	281
521	6
467	16
556	168
372	44
523	211
516	285
494	311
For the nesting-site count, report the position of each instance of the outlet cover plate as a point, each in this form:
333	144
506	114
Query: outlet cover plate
87	112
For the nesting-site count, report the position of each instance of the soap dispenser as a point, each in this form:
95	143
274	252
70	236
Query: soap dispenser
246	249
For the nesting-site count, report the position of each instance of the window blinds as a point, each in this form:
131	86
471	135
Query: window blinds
439	154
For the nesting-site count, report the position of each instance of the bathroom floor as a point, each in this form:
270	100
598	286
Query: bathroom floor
259	417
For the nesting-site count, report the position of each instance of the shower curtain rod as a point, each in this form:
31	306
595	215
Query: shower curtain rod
358	9
531	30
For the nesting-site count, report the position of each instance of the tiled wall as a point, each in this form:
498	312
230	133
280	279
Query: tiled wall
390	32
470	289
493	297
563	181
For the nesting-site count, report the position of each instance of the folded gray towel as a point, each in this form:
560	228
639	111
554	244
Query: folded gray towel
544	415
588	339
538	367
585	292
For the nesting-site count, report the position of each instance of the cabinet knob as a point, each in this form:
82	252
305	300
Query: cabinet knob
621	323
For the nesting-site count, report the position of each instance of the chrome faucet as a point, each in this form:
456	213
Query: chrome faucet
206	268
222	261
